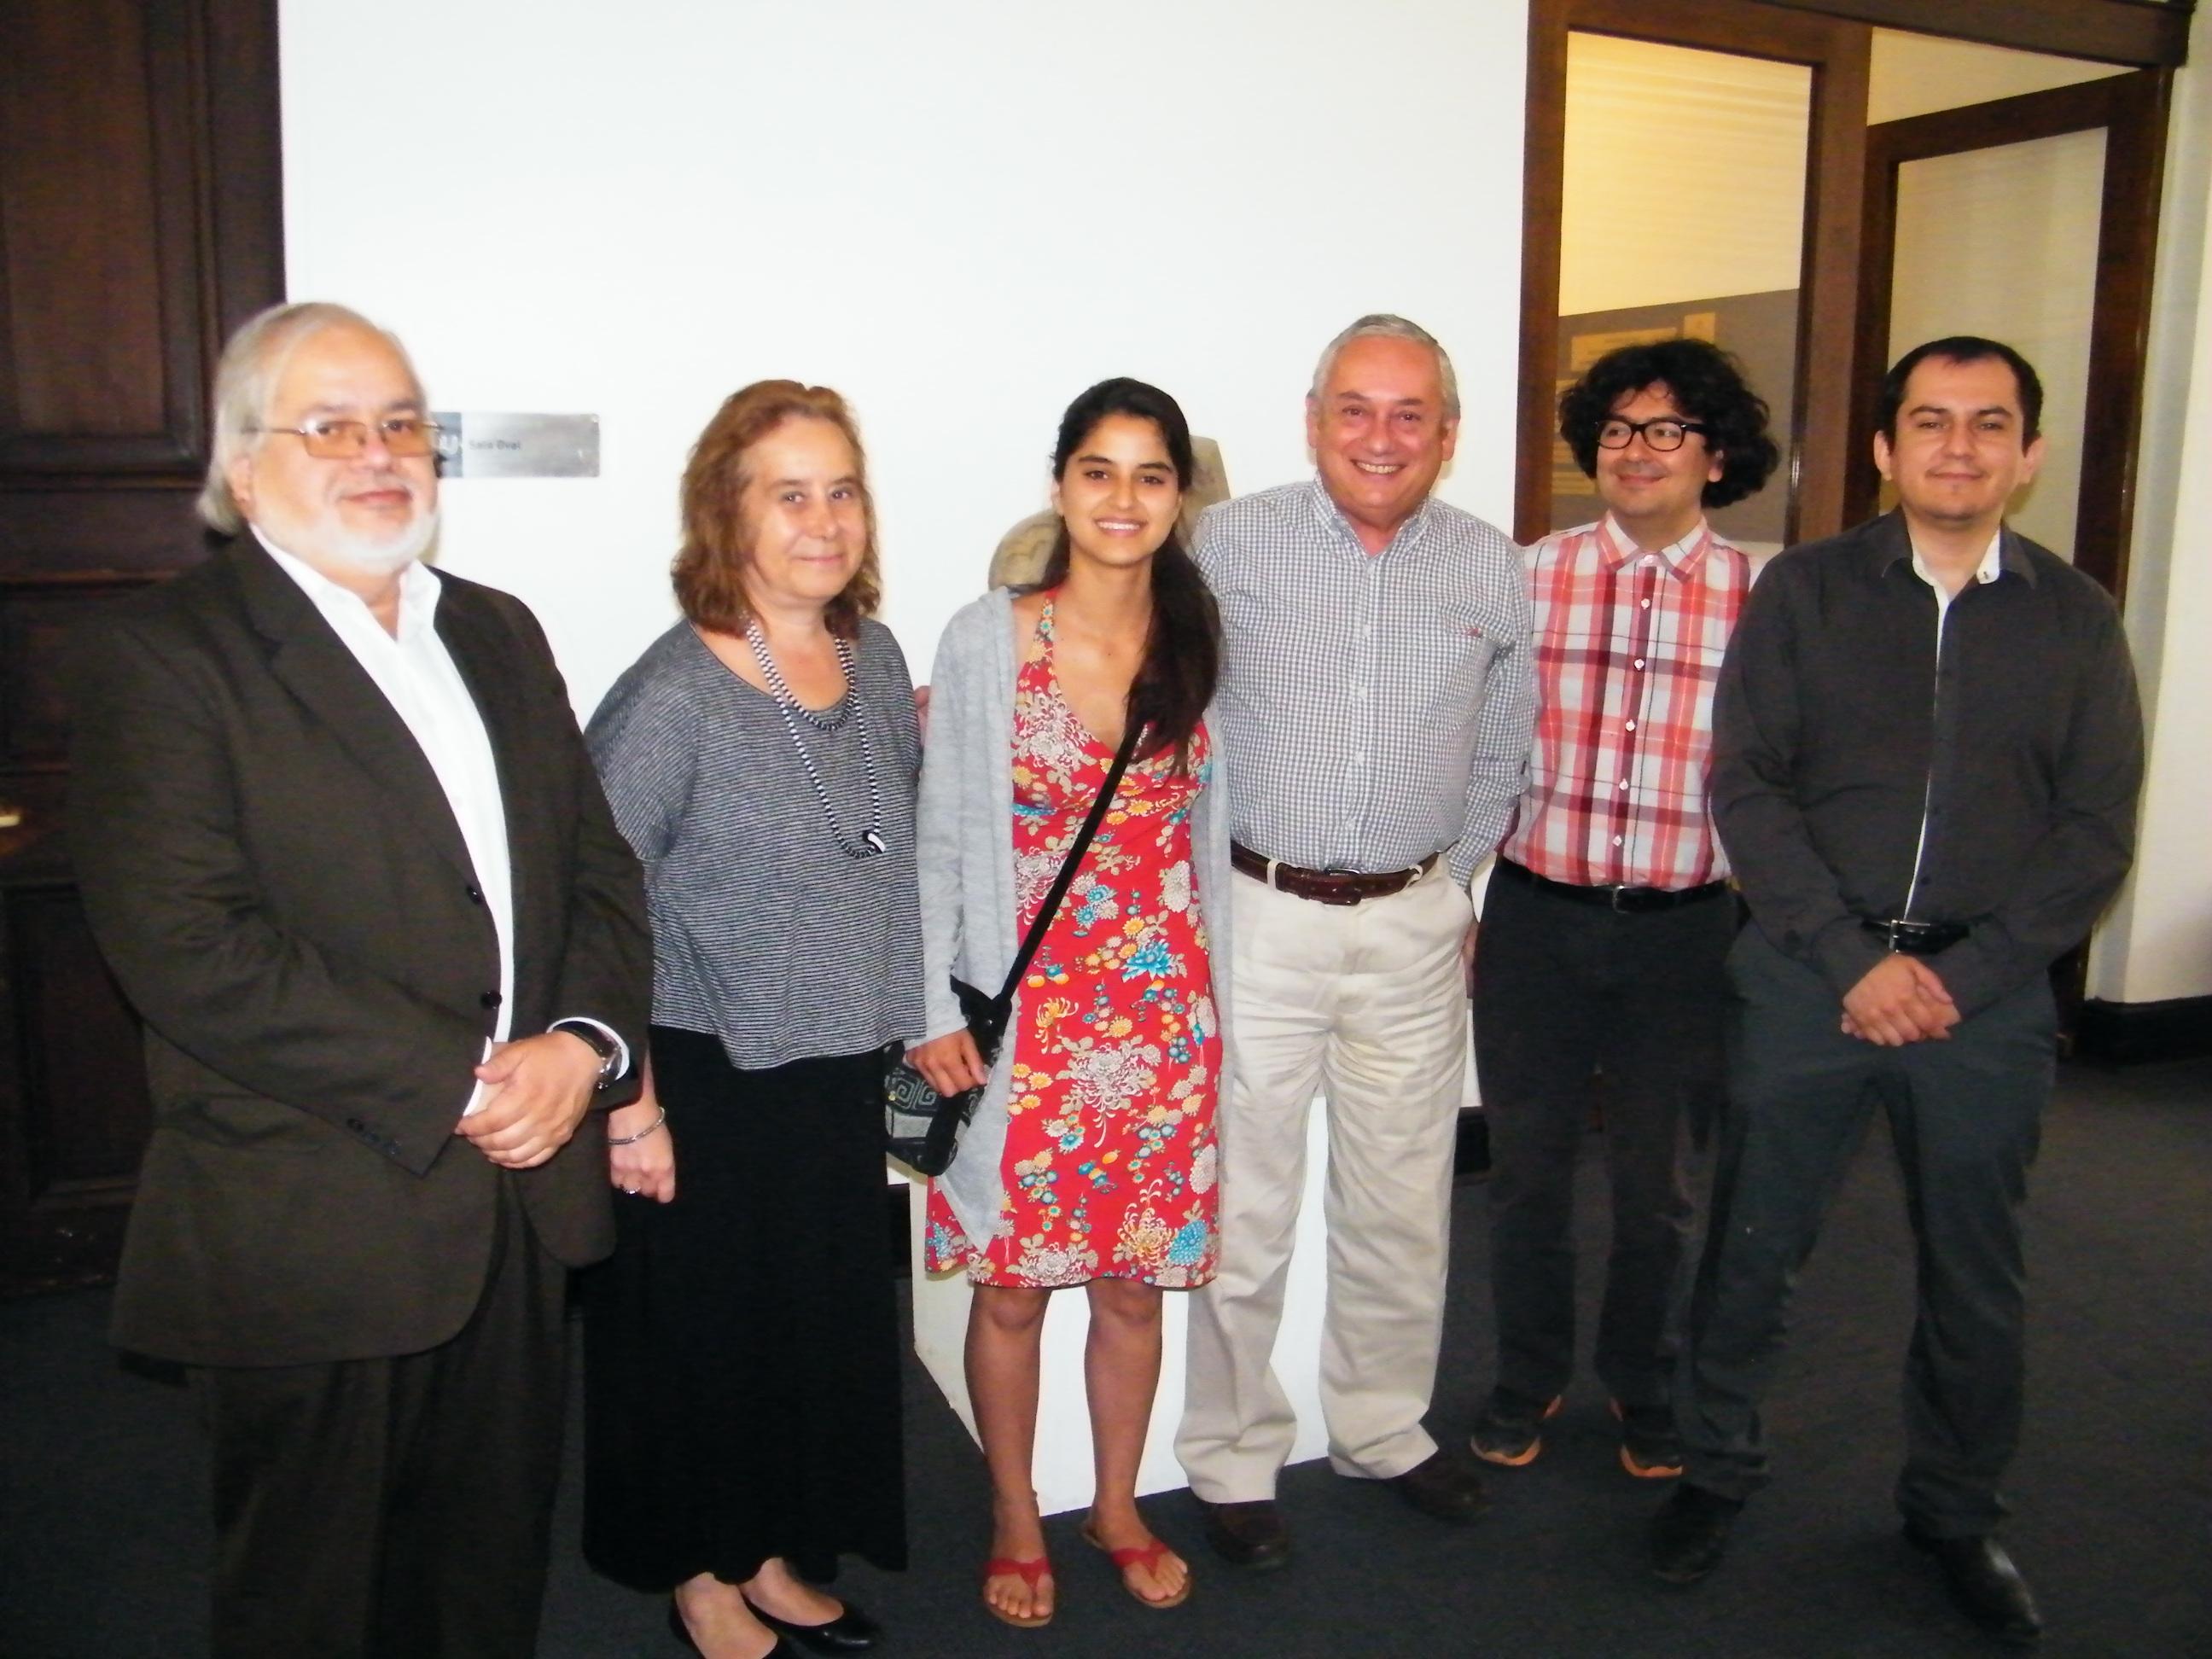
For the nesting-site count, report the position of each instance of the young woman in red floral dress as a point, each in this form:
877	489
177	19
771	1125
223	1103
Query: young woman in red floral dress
1103	1112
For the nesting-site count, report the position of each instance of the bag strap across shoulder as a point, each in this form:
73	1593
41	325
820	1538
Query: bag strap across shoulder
1061	882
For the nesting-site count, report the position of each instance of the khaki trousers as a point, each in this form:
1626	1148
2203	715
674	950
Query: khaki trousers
1364	1005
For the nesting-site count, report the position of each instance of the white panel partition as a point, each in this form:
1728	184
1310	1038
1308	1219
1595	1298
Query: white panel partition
959	215
1061	1468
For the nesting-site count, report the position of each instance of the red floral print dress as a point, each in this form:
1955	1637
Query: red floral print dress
1110	1159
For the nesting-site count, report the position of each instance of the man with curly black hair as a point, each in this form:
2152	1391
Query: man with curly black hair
1609	915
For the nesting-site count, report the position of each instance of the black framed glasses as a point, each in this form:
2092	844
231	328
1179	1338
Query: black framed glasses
403	436
1663	435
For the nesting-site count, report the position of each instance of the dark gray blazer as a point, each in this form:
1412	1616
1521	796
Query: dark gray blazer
271	869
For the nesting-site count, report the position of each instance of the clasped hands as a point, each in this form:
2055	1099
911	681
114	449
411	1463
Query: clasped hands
537	1090
1899	1000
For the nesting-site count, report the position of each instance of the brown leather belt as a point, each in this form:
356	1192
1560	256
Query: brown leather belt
1326	886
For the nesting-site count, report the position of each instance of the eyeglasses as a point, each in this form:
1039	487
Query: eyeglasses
1661	434
403	436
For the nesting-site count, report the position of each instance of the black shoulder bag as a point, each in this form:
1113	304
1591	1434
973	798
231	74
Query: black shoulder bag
920	1124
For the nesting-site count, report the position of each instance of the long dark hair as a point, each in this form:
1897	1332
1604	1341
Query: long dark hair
1182	647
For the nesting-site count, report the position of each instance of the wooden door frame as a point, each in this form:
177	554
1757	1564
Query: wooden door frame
2131	109
1837	52
2140	33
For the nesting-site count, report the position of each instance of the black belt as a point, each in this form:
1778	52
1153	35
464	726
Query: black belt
1614	898
1917	939
1325	886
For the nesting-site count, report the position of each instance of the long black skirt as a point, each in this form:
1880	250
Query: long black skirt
741	1363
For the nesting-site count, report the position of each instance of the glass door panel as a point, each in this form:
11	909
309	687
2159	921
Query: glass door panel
2029	212
1682	213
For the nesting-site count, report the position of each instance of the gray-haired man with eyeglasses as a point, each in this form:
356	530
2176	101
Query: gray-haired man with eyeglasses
341	843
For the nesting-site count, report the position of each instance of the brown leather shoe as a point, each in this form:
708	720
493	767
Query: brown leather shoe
1247	1534
1445	1487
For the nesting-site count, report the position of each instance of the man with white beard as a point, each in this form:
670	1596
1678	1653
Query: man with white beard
341	845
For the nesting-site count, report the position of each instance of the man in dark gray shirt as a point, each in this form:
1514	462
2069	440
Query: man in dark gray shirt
1926	756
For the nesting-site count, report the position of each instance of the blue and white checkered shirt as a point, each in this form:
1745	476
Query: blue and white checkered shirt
1375	709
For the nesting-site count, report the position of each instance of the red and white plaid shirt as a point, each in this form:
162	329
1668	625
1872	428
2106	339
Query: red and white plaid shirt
1628	648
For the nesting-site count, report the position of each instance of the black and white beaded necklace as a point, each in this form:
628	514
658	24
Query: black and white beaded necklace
828	720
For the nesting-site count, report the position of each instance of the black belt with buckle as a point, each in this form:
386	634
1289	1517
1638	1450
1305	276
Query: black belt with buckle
1917	939
1326	886
1627	899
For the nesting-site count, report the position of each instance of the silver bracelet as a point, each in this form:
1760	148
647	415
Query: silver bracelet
624	1140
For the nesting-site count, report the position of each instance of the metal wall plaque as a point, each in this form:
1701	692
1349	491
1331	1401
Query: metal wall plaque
476	445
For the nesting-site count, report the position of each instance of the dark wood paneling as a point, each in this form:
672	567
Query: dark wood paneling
2144	33
104	220
1815	466
148	527
76	191
140	224
74	1109
36	616
2131	109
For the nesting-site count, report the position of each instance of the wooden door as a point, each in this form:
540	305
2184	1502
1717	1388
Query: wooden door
140	223
1813	431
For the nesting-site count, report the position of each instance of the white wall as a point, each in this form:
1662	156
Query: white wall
2157	943
958	214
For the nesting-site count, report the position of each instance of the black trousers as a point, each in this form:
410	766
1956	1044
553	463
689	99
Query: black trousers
1965	1114
395	1508
1561	988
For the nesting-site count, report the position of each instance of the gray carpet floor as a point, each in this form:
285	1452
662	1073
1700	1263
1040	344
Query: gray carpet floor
103	1528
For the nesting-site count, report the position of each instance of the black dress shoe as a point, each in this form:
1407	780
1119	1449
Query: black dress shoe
850	1632
1247	1535
1984	1586
1446	1487
1690	1533
682	1633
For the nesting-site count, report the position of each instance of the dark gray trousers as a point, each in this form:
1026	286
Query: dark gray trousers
1965	1114
1561	988
399	1507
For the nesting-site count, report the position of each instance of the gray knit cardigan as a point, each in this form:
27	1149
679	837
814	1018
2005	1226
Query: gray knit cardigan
966	847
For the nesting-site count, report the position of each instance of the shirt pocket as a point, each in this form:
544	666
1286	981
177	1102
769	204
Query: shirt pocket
1453	648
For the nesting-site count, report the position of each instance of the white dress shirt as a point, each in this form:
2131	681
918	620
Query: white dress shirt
419	679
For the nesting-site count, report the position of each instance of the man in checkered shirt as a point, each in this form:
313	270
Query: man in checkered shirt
1374	711
1609	915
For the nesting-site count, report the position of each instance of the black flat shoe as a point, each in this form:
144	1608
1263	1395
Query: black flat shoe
1689	1535
1984	1586
682	1633
850	1632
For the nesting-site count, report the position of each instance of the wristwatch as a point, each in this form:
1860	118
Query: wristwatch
601	1044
